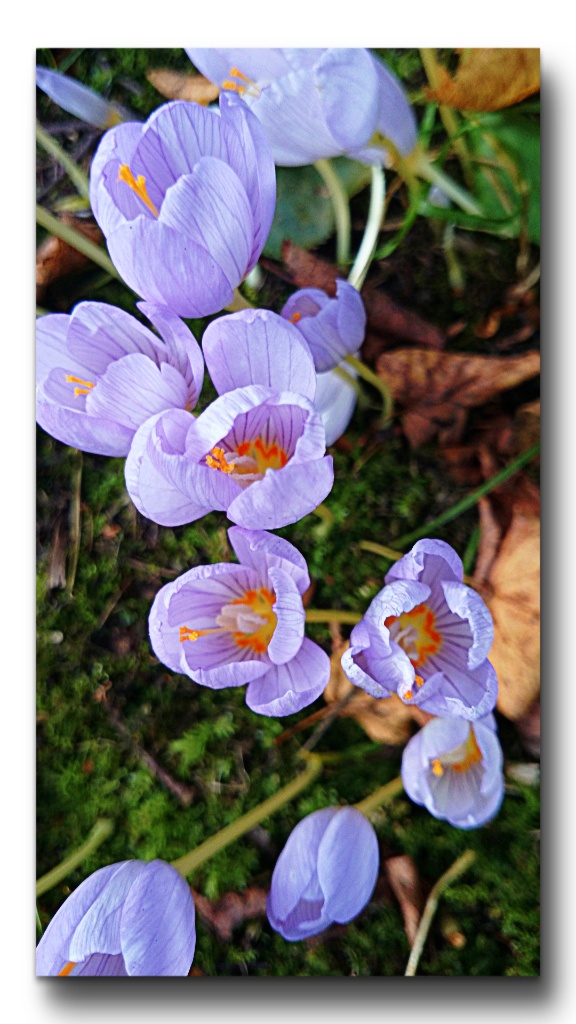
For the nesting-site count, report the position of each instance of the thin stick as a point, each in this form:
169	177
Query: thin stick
341	209
77	240
55	150
447	114
102	829
458	868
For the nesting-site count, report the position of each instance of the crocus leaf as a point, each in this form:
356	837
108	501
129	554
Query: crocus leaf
489	78
304	213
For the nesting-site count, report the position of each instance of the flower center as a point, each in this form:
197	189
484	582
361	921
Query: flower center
244	85
249	619
88	385
415	632
296	316
461	758
138	186
250	457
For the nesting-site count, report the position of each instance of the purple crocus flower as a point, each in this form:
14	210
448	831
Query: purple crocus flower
78	99
257	452
316	103
333	327
185	201
454	768
426	636
100	373
132	918
335	399
228	625
326	872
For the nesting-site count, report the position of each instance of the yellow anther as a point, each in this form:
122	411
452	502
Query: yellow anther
217	460
408	695
251	88
238	74
88	385
437	767
138	186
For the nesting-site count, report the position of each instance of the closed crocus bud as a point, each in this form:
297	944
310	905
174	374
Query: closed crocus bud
185	201
78	99
100	373
133	919
454	768
333	327
326	873
316	103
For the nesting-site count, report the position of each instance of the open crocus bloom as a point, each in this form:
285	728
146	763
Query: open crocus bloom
454	768
326	872
101	373
185	201
426	636
316	103
228	625
132	918
257	452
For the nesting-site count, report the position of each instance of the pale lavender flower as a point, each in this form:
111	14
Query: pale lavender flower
454	768
257	452
78	99
335	399
185	201
326	872
131	919
100	373
333	327
316	103
426	636
228	625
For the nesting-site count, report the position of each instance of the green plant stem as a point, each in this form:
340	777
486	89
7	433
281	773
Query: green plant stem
76	240
379	549
52	147
382	796
367	248
39	928
430	172
447	114
332	615
101	831
191	861
458	868
470	499
377	382
341	208
74	521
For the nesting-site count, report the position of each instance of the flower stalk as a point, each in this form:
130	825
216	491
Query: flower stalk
341	208
458	868
77	240
363	259
332	615
382	796
48	143
101	831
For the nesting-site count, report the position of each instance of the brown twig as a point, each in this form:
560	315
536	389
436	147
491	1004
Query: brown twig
184	794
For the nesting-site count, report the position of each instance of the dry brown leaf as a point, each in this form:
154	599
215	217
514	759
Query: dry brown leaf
514	580
527	425
528	729
403	876
55	258
435	389
231	910
385	720
489	78
178	85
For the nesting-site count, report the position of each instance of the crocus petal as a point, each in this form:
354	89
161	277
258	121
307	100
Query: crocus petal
134	388
256	346
159	904
455	690
283	496
291	112
184	352
289	610
263	550
51	345
342	76
336	400
165	266
466	603
101	965
371	664
286	689
430	561
348	850
256	63
296	865
77	429
116	144
77	99
333	328
99	929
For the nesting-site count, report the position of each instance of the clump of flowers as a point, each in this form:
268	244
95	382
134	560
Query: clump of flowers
326	873
232	625
101	373
426	636
454	768
131	918
185	201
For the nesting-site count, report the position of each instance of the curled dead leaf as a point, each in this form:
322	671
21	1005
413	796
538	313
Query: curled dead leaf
489	78
404	879
178	85
56	259
231	910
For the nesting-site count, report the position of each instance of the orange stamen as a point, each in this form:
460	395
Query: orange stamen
437	767
295	318
138	186
408	695
67	969
251	88
473	754
217	460
88	385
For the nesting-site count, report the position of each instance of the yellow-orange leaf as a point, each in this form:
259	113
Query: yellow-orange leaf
489	78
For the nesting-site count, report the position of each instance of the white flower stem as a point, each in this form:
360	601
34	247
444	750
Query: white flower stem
359	270
455	192
341	209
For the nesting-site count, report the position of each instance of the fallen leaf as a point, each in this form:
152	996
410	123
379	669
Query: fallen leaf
514	582
434	390
178	85
225	914
489	78
56	259
405	881
527	425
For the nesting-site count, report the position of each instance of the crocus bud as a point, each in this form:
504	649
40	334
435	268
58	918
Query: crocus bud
133	918
326	872
78	99
333	327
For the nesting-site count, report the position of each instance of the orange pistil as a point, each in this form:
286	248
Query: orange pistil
265	458
259	602
217	460
415	632
138	186
88	385
295	318
67	969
